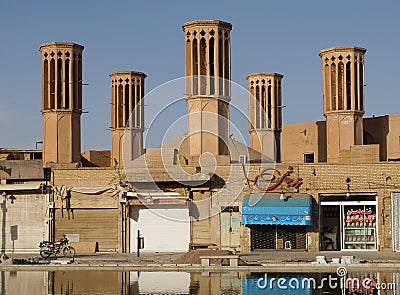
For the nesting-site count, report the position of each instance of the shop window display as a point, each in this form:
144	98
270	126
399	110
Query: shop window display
359	227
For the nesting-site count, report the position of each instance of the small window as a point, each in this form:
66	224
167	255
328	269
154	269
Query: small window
10	181
242	159
309	158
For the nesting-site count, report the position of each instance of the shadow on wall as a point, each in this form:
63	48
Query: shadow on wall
376	130
322	153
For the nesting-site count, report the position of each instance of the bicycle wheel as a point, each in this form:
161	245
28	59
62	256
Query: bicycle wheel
69	252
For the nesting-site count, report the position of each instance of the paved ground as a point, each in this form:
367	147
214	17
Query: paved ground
268	261
285	256
257	257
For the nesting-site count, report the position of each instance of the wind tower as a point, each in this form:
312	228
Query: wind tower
61	101
343	89
208	89
127	116
265	113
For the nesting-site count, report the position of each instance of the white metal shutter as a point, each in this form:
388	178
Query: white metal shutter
164	228
396	221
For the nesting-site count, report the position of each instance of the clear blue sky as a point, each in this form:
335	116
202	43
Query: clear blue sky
270	36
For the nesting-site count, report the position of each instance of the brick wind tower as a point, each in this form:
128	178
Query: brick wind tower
265	113
61	101
208	66
343	89
127	115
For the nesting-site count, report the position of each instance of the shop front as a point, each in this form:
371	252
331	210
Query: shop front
277	221
348	222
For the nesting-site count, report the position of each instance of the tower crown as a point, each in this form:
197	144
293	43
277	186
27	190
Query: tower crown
60	45
132	73
200	23
61	76
207	53
339	49
343	79
265	100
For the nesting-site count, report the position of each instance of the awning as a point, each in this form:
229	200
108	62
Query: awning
155	197
20	187
270	209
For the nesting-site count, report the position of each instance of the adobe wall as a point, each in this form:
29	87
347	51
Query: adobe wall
381	178
301	138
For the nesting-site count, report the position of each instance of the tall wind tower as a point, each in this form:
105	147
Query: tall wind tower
61	101
265	113
343	88
127	115
208	89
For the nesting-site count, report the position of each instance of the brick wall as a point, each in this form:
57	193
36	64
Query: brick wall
381	178
102	176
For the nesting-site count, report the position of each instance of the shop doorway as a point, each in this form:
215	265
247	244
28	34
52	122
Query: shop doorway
330	228
348	223
264	237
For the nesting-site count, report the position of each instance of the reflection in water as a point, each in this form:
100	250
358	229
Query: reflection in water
24	282
128	283
86	282
159	282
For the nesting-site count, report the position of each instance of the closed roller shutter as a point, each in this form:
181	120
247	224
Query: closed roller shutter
200	220
263	237
278	237
92	225
23	222
164	227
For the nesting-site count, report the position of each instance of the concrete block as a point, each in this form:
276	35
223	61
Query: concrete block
321	259
347	259
61	261
84	247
